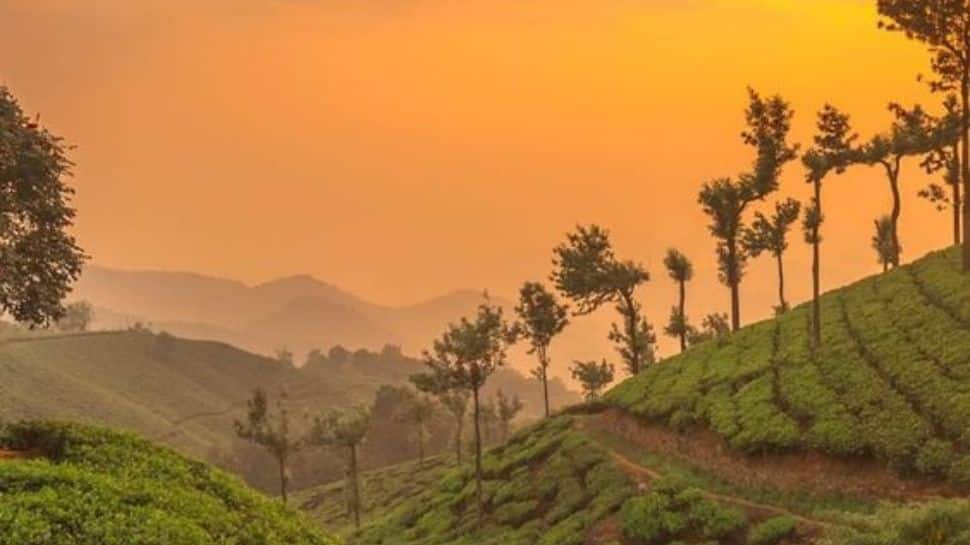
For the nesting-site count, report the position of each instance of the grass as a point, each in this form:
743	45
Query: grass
891	381
93	486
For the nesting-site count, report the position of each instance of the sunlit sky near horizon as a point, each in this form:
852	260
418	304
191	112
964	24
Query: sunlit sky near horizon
405	149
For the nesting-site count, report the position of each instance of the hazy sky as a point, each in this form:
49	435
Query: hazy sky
401	149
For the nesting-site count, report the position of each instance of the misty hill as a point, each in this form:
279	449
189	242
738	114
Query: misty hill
298	312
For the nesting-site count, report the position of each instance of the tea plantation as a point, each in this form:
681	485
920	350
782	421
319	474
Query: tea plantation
92	486
891	380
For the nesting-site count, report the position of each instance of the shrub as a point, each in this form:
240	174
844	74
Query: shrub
771	531
649	518
935	457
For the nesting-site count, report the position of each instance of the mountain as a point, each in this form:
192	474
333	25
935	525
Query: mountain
302	313
87	485
754	438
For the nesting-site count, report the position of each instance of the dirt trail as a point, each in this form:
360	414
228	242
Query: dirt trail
644	475
9	455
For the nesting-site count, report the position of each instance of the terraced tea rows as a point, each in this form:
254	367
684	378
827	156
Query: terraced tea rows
892	379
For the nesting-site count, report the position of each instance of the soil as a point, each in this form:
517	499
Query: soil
6	455
811	472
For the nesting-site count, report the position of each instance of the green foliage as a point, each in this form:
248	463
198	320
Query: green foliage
593	377
890	380
934	523
771	531
671	511
100	487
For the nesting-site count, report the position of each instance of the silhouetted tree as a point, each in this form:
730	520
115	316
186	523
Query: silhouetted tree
883	243
77	317
725	200
419	412
452	396
284	356
541	317
681	271
593	377
713	327
589	273
770	234
270	430
946	158
944	26
466	355
344	429
507	408
40	260
833	151
911	134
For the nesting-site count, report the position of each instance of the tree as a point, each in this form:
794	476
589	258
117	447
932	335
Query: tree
713	327
833	151
507	409
770	234
284	356
465	356
725	200
946	157
420	411
681	271
883	243
451	396
270	430
911	134
344	429
593	377
588	272
944	26
39	259
77	317
541	318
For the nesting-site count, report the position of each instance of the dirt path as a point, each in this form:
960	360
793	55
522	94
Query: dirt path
644	475
10	455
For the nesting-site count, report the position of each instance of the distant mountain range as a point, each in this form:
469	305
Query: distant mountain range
297	312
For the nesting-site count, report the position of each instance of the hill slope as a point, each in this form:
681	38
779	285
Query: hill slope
92	486
890	382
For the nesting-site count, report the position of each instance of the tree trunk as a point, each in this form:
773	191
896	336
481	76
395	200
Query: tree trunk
282	468
354	486
893	171
683	316
459	427
545	379
782	304
965	158
478	460
631	332
957	203
734	281
816	270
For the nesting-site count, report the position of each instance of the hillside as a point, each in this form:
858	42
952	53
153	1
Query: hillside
569	482
890	383
92	486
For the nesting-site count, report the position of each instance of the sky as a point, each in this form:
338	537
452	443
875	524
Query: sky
401	149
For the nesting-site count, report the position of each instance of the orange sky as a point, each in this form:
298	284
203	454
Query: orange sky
404	148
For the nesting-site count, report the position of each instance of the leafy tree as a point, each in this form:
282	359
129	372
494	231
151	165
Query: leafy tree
725	200
270	430
338	354
451	396
883	243
946	158
714	326
465	356
911	134
507	408
541	318
77	317
833	151
344	429
589	273
770	234
681	271
593	377
420	412
39	259
944	26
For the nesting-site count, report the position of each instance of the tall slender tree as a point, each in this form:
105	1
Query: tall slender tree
681	271
833	151
452	396
946	158
882	242
344	429
911	134
466	355
507	408
420	411
271	430
725	200
770	234
593	377
944	26
588	272
541	318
